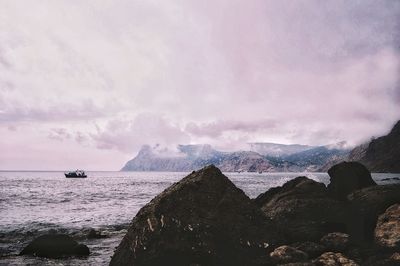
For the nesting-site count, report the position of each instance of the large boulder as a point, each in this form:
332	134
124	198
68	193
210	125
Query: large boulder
347	177
204	219
365	206
54	246
303	209
387	231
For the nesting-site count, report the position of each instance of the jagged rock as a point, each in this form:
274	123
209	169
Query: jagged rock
337	242
287	254
334	259
387	231
303	209
54	246
365	206
312	249
347	177
203	219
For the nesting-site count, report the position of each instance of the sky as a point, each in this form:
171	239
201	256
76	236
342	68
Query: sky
84	84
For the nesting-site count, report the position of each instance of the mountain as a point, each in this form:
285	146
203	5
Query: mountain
381	154
277	150
270	158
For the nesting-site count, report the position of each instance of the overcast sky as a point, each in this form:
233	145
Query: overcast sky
83	84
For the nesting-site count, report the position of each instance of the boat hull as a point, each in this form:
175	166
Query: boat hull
75	176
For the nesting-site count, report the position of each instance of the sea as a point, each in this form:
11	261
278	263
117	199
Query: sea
33	203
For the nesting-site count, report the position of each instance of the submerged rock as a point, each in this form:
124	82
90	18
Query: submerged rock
387	231
303	209
347	177
54	246
287	254
93	234
204	219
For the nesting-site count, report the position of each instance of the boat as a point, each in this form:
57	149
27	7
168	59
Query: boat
76	174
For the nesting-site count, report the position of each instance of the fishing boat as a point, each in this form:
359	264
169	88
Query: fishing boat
76	174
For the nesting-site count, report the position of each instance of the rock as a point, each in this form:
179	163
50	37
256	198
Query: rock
387	231
347	177
337	242
203	219
303	210
312	249
93	234
383	260
334	259
287	254
365	206
54	246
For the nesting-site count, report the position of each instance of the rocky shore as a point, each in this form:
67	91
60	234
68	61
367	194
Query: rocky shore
204	219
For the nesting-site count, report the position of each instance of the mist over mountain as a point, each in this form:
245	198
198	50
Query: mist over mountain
380	154
264	157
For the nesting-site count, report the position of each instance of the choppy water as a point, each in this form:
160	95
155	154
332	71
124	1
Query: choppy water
33	203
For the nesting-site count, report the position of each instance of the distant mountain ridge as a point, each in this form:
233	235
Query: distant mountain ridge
264	157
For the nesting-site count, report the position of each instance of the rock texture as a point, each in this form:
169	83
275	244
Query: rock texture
54	246
387	231
287	254
347	177
201	220
302	209
334	259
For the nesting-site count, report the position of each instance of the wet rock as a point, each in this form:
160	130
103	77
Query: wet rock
347	177
203	219
303	210
312	249
337	242
365	207
333	259
54	246
287	254
387	231
93	234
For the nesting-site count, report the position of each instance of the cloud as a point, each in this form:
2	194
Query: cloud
145	128
223	72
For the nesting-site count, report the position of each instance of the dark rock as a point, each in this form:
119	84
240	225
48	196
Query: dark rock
334	259
385	259
203	219
54	246
337	242
387	231
381	154
312	249
365	207
287	254
347	177
303	210
93	234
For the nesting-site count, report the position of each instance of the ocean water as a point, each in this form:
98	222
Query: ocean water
34	203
